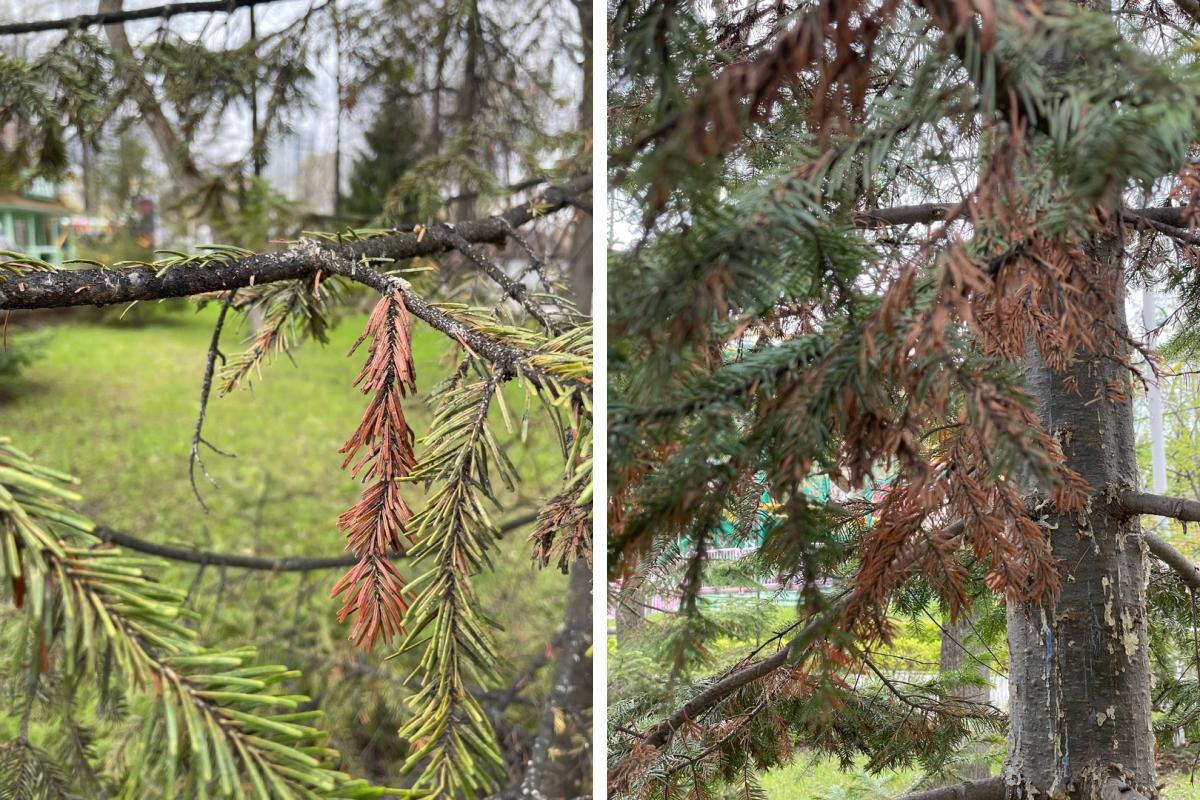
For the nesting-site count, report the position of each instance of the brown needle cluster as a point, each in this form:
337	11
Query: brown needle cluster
381	451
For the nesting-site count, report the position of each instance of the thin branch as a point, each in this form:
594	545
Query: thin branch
112	17
746	719
1191	8
1179	234
284	564
1183	566
1160	506
900	216
171	145
512	188
505	358
929	213
512	288
214	352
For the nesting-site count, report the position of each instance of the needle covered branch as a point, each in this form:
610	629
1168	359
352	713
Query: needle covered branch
103	286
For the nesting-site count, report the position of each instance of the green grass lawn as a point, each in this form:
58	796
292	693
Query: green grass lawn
813	778
115	405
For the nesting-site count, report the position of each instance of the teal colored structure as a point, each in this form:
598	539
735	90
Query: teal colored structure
31	222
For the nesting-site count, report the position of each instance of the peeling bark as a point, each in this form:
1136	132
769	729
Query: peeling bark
1079	669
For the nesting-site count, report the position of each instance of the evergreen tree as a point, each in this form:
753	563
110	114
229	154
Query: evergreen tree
890	243
392	144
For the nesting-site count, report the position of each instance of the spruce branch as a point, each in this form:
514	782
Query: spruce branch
445	622
564	526
907	562
292	312
184	276
512	288
214	708
796	647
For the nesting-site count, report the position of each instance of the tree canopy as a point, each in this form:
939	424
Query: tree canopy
887	245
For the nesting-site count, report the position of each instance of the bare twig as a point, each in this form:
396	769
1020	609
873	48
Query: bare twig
512	288
192	555
214	352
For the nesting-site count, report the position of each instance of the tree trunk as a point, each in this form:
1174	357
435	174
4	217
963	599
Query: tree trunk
173	150
1079	670
581	236
561	764
957	655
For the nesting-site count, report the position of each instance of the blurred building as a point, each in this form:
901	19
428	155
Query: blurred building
33	221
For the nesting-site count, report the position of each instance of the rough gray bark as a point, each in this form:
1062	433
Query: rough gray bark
958	655
1079	669
560	765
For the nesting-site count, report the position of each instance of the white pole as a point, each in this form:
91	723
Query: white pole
1158	451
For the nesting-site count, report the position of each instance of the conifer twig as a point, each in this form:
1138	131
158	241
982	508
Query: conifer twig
373	591
718	690
214	352
192	555
512	288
